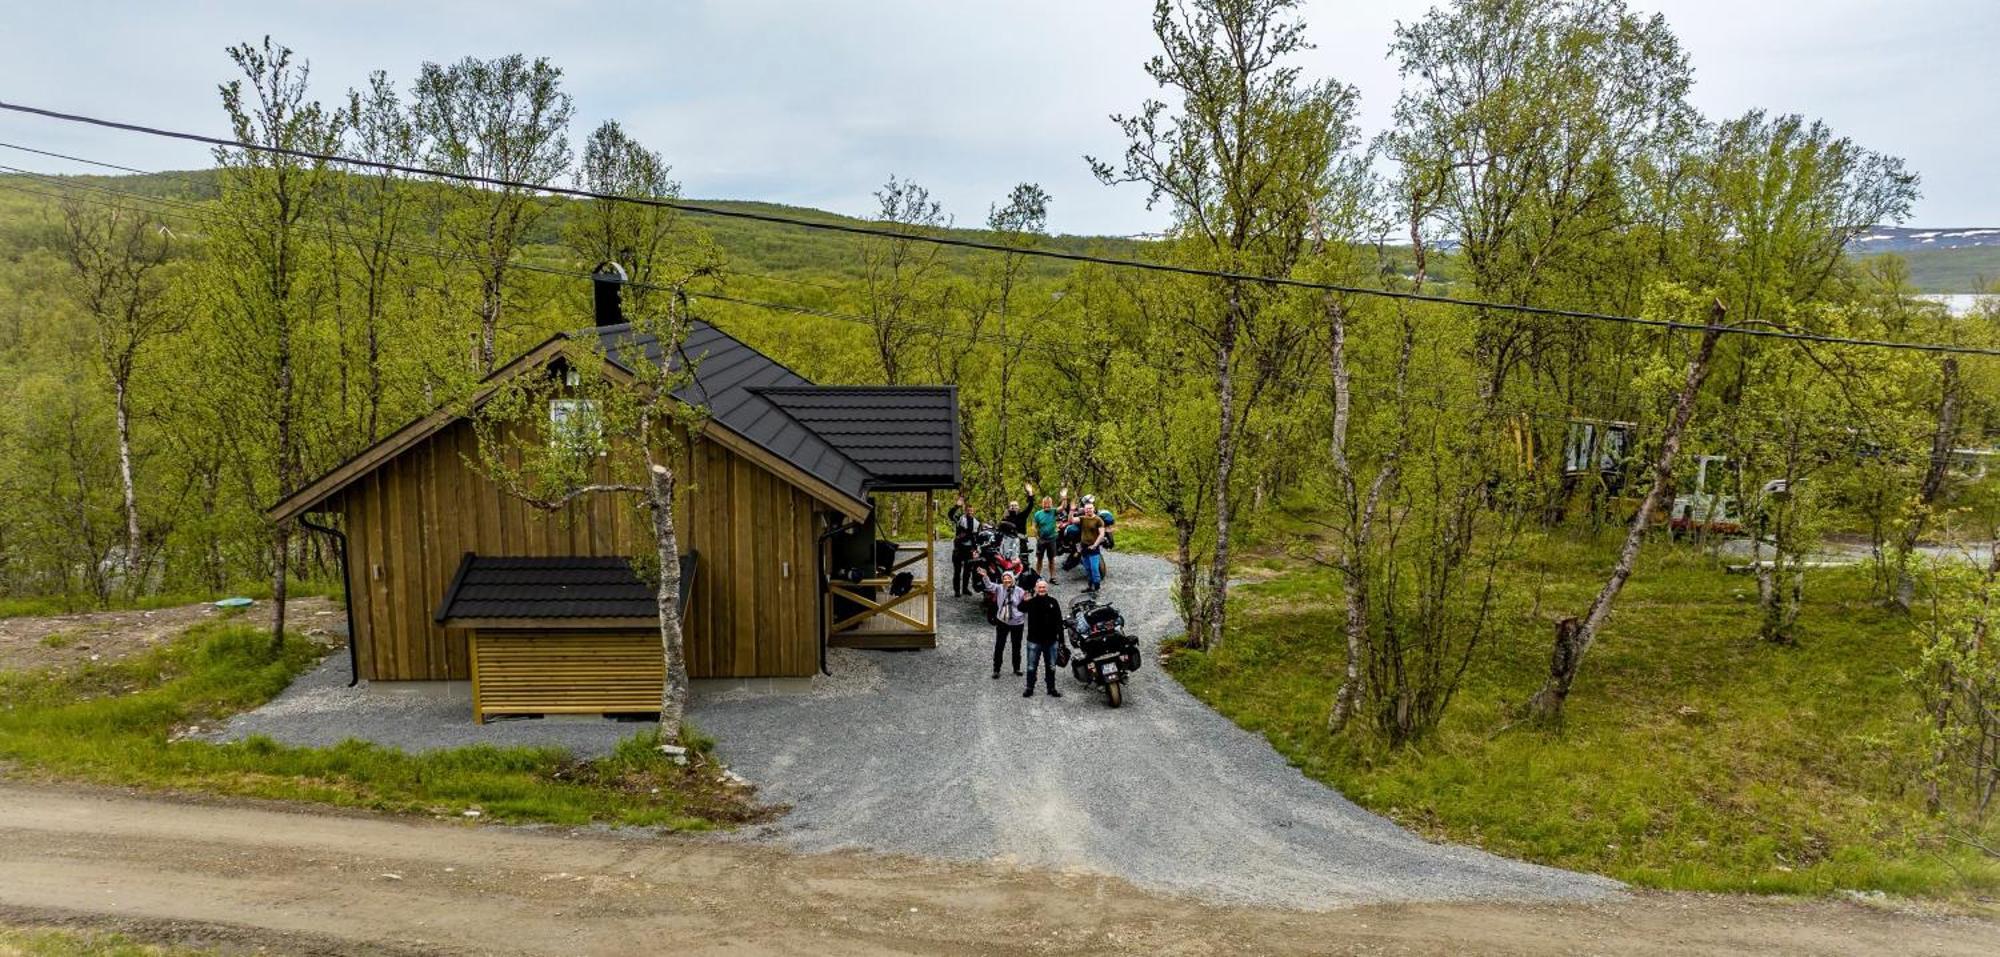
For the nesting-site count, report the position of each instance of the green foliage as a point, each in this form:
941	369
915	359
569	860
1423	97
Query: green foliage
1957	682
120	722
1692	757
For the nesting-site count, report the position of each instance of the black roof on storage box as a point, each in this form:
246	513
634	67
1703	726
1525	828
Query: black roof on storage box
497	588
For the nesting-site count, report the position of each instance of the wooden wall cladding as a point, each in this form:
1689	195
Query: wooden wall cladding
566	673
408	522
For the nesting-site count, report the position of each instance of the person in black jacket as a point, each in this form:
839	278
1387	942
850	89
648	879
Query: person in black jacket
1017	516
964	529
1044	616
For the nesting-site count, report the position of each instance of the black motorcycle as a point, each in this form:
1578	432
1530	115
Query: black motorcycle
1102	654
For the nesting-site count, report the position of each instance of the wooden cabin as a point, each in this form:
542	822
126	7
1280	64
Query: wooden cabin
450	578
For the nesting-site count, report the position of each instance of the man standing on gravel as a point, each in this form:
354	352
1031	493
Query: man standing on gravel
1047	522
1007	599
1090	544
964	529
1044	616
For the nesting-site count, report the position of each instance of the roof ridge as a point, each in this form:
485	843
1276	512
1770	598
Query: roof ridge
855	387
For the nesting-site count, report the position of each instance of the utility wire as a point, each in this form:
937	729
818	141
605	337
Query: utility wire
190	212
962	243
200	210
204	215
77	159
1376	392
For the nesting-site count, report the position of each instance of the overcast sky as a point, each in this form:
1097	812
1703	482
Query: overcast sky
816	103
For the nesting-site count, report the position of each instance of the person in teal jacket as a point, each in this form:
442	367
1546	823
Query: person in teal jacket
1048	523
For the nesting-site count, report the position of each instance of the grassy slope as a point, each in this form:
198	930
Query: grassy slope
50	942
1694	757
1973	269
116	723
49	605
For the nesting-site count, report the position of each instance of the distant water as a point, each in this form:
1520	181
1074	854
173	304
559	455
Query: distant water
1960	303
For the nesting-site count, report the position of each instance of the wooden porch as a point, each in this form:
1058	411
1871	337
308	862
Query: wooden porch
865	614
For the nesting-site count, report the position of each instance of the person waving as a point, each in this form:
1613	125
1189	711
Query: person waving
1007	616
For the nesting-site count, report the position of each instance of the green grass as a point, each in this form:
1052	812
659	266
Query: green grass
44	942
1693	756
115	723
1139	533
52	942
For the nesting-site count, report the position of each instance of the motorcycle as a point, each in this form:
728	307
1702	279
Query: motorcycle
1102	655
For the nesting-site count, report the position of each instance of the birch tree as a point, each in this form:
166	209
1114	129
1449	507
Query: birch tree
372	223
650	242
900	277
998	305
1525	123
118	262
261	266
1241	157
623	437
506	119
1574	636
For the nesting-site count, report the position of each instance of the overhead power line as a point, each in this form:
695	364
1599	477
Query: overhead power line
963	243
197	213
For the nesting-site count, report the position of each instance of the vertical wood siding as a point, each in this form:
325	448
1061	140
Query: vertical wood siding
752	612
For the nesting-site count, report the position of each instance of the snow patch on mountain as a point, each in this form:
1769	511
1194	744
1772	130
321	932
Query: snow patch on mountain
1889	239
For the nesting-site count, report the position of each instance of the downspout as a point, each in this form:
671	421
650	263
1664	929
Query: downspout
825	585
346	595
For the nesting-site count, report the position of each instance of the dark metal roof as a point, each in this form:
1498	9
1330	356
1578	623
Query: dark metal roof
857	439
905	436
569	586
726	374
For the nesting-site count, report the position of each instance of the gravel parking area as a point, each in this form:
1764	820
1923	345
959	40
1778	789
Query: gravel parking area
925	754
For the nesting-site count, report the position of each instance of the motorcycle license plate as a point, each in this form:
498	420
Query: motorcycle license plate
1108	669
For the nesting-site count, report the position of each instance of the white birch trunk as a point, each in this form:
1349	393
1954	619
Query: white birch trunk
132	539
674	691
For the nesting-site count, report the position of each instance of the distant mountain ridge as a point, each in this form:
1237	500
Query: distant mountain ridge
1899	239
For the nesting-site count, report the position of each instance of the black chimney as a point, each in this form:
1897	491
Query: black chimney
606	282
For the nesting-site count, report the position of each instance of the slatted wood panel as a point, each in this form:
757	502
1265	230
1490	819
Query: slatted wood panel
565	673
752	612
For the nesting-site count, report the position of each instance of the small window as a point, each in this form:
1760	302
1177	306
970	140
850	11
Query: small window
574	424
1614	446
1580	449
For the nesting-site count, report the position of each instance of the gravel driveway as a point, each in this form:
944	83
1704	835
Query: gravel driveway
923	753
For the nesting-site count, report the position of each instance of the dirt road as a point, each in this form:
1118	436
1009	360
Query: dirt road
293	881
